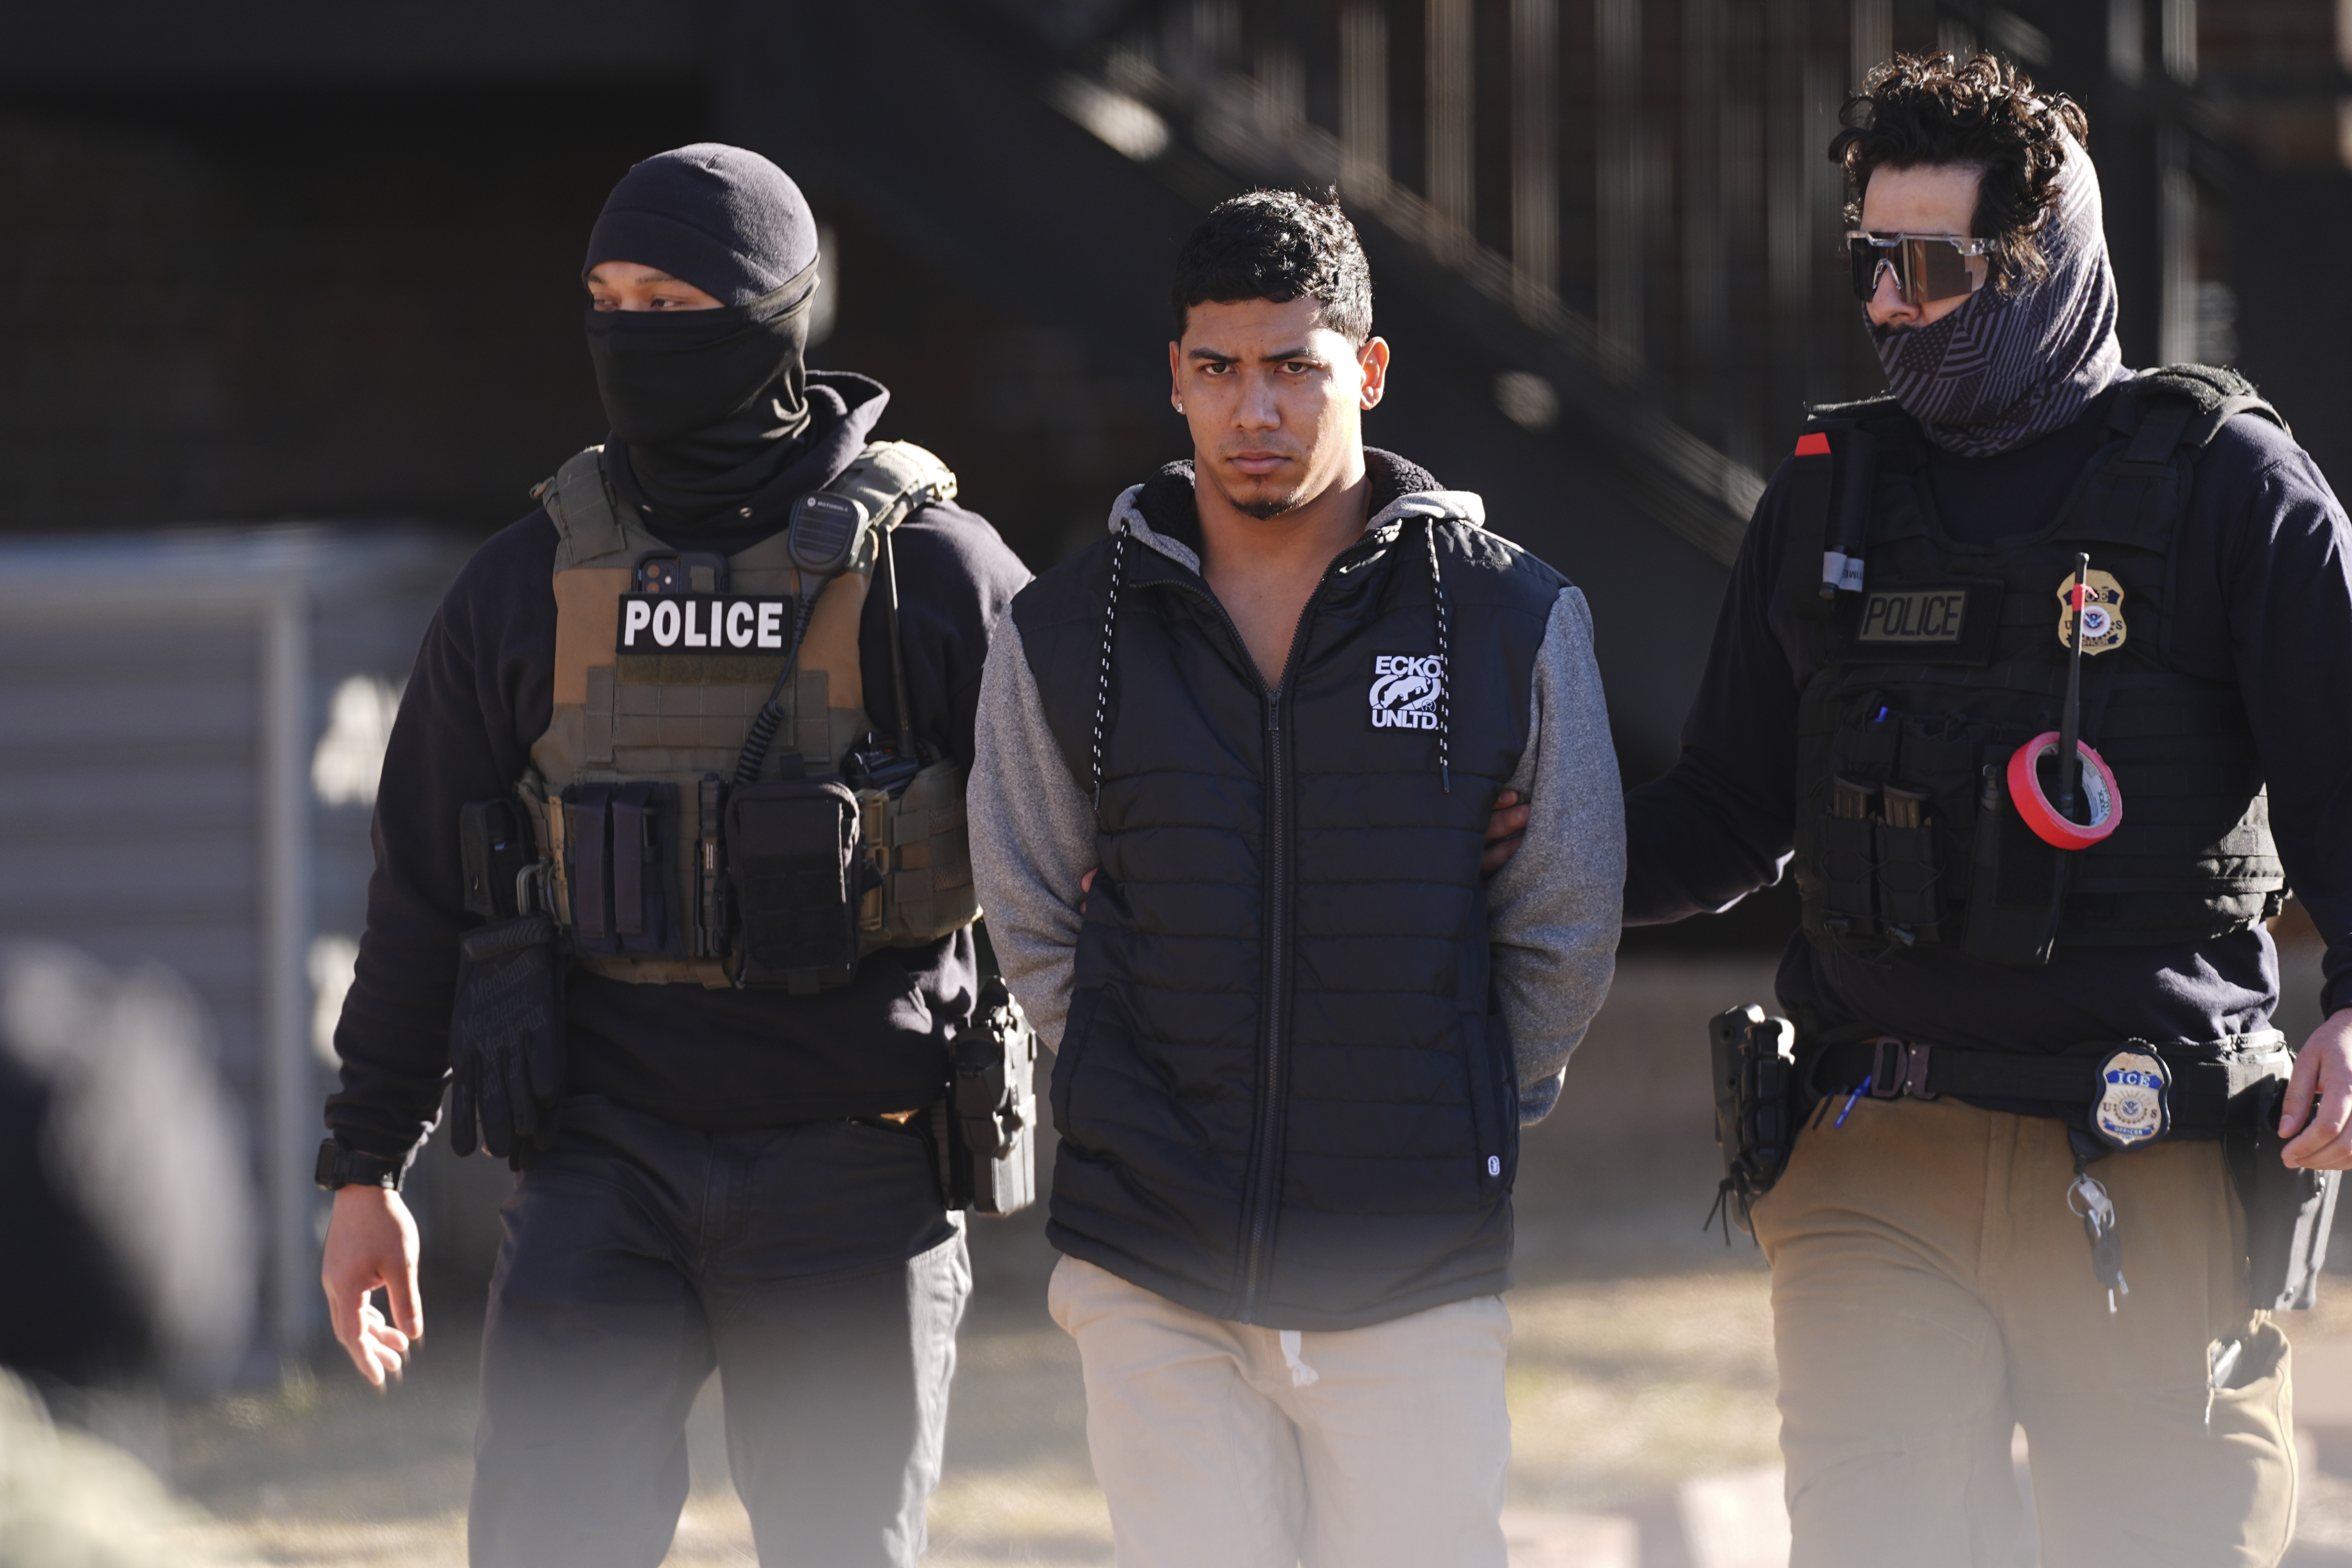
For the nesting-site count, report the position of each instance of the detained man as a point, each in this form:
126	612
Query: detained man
1239	758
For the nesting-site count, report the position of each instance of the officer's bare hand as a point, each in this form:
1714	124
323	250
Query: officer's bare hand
1505	829
372	1247
2321	1138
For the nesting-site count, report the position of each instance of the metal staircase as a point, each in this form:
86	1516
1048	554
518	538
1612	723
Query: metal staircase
1055	164
1603	232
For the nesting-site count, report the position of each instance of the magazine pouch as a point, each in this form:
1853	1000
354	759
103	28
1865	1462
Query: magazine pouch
619	846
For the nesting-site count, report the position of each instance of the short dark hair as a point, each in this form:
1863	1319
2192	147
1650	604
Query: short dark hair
1278	246
1918	110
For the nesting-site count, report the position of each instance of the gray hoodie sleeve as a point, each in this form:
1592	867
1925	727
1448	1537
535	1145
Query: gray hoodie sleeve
1032	837
1552	914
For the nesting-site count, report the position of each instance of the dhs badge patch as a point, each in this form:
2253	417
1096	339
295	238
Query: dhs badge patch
2102	612
2135	1104
1405	691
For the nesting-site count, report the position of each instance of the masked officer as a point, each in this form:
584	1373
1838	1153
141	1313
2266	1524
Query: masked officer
660	737
2038	1178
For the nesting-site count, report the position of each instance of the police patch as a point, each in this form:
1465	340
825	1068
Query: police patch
2135	1104
1405	691
1952	621
702	623
2103	611
1913	615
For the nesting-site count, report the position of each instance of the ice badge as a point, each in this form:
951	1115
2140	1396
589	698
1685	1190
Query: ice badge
2103	611
2135	1104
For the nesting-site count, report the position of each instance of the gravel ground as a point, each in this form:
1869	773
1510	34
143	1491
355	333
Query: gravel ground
1640	1358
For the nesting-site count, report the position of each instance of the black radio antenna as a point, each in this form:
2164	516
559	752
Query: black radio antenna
2071	725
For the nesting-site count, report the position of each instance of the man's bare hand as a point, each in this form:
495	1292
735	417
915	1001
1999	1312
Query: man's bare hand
1504	831
2322	1070
372	1247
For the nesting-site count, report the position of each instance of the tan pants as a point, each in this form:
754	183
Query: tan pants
1930	1288
1217	1450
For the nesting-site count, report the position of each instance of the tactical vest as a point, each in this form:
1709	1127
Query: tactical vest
628	787
1943	657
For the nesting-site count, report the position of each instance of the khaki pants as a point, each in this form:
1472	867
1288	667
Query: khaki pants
1930	1288
1215	1450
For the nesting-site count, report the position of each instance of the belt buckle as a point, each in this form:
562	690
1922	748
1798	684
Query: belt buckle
1898	1067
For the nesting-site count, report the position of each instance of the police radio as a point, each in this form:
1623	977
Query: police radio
824	533
777	831
824	537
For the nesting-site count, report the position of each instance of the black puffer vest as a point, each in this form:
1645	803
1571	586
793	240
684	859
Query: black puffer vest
1284	1091
1944	658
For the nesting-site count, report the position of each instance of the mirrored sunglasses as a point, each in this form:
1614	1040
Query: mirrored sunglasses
1927	267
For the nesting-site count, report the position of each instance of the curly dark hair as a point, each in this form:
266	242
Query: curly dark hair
1921	110
1277	245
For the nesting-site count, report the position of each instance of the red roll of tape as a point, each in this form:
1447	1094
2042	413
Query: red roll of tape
2097	784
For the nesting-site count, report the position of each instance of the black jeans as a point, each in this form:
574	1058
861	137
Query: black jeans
812	1264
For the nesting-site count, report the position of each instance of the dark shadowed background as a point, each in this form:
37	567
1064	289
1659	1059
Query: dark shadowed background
289	302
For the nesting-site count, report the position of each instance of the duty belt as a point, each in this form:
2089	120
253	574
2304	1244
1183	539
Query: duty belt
2208	1077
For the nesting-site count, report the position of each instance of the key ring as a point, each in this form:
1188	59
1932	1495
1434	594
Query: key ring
2097	1206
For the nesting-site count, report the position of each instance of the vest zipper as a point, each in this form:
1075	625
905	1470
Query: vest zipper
1272	1085
1258	1185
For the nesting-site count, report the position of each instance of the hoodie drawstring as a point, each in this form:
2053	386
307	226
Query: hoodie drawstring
1102	688
1445	669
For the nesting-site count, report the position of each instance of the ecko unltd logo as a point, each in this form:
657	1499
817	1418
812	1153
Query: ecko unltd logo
1405	691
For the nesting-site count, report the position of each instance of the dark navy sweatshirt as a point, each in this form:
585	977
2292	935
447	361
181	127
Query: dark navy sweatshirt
717	1060
2265	601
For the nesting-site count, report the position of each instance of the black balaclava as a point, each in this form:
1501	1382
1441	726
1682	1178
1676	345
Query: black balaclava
712	404
2007	369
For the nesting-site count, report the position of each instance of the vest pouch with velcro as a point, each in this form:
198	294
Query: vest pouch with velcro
619	846
1844	858
1849	875
1908	875
795	876
2017	884
918	847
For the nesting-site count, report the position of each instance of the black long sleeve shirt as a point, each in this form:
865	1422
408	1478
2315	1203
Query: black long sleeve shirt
2263	602
481	694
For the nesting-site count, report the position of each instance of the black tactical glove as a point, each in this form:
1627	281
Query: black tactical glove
506	1039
